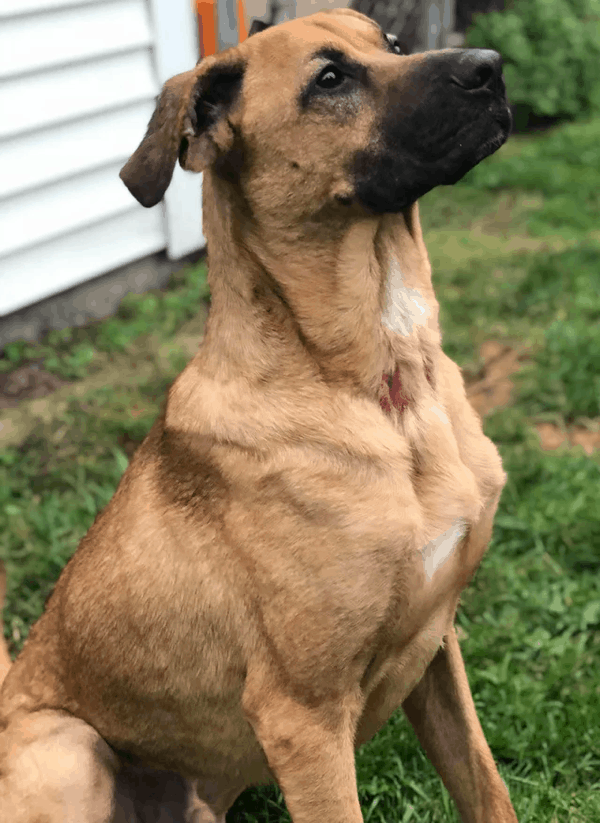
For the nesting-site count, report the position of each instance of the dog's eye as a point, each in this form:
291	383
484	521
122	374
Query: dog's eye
330	77
393	41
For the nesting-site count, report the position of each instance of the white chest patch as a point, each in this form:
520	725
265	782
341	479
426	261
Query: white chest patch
437	551
404	307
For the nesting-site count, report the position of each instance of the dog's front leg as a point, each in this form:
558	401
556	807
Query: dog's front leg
442	712
310	751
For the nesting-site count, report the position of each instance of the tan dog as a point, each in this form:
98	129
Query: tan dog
5	662
280	566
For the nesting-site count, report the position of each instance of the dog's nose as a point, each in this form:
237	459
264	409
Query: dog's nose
476	69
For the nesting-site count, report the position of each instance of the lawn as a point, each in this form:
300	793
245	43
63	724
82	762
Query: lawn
515	250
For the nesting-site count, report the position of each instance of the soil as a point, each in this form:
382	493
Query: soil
493	389
26	383
494	386
553	437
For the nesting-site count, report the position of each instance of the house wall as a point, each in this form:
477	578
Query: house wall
78	80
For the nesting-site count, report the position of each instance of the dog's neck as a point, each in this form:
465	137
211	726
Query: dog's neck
344	304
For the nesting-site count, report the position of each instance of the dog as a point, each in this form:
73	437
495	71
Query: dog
5	661
280	566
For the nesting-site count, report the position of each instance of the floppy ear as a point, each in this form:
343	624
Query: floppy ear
190	123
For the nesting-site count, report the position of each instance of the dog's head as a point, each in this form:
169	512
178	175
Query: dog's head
325	110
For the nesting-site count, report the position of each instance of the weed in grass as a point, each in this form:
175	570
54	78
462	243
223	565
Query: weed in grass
153	313
476	301
453	207
47	502
568	281
53	485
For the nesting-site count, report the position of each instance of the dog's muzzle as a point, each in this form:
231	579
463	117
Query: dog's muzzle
441	118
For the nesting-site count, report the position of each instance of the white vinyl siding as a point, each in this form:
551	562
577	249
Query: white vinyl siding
41	100
69	35
67	149
12	8
78	81
81	255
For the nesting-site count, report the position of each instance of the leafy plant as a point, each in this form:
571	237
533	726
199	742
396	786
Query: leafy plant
551	51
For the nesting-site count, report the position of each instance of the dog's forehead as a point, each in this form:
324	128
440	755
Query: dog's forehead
345	23
342	29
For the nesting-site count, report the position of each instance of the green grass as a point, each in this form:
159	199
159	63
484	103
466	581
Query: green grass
516	256
75	353
563	165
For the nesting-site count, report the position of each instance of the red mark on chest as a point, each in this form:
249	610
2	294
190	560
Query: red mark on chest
391	393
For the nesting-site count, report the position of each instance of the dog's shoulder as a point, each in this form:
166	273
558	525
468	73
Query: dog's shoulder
476	450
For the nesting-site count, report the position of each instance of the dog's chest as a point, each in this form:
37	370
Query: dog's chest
450	498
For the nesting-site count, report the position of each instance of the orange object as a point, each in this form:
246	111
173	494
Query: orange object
242	29
207	25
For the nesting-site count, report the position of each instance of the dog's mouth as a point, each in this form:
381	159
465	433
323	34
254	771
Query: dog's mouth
502	127
494	137
490	146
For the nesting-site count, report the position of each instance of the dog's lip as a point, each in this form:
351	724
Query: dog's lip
497	140
494	142
500	119
495	111
505	119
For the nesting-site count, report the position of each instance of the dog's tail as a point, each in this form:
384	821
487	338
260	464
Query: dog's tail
5	661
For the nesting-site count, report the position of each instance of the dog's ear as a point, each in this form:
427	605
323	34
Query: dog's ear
257	26
190	123
260	25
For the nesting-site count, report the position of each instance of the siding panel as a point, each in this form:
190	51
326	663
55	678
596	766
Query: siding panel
62	207
37	101
65	261
13	8
77	86
71	35
34	160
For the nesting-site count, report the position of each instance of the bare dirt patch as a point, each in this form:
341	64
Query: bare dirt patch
26	383
553	436
493	386
21	411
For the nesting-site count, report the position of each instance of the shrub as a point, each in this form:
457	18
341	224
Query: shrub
551	51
